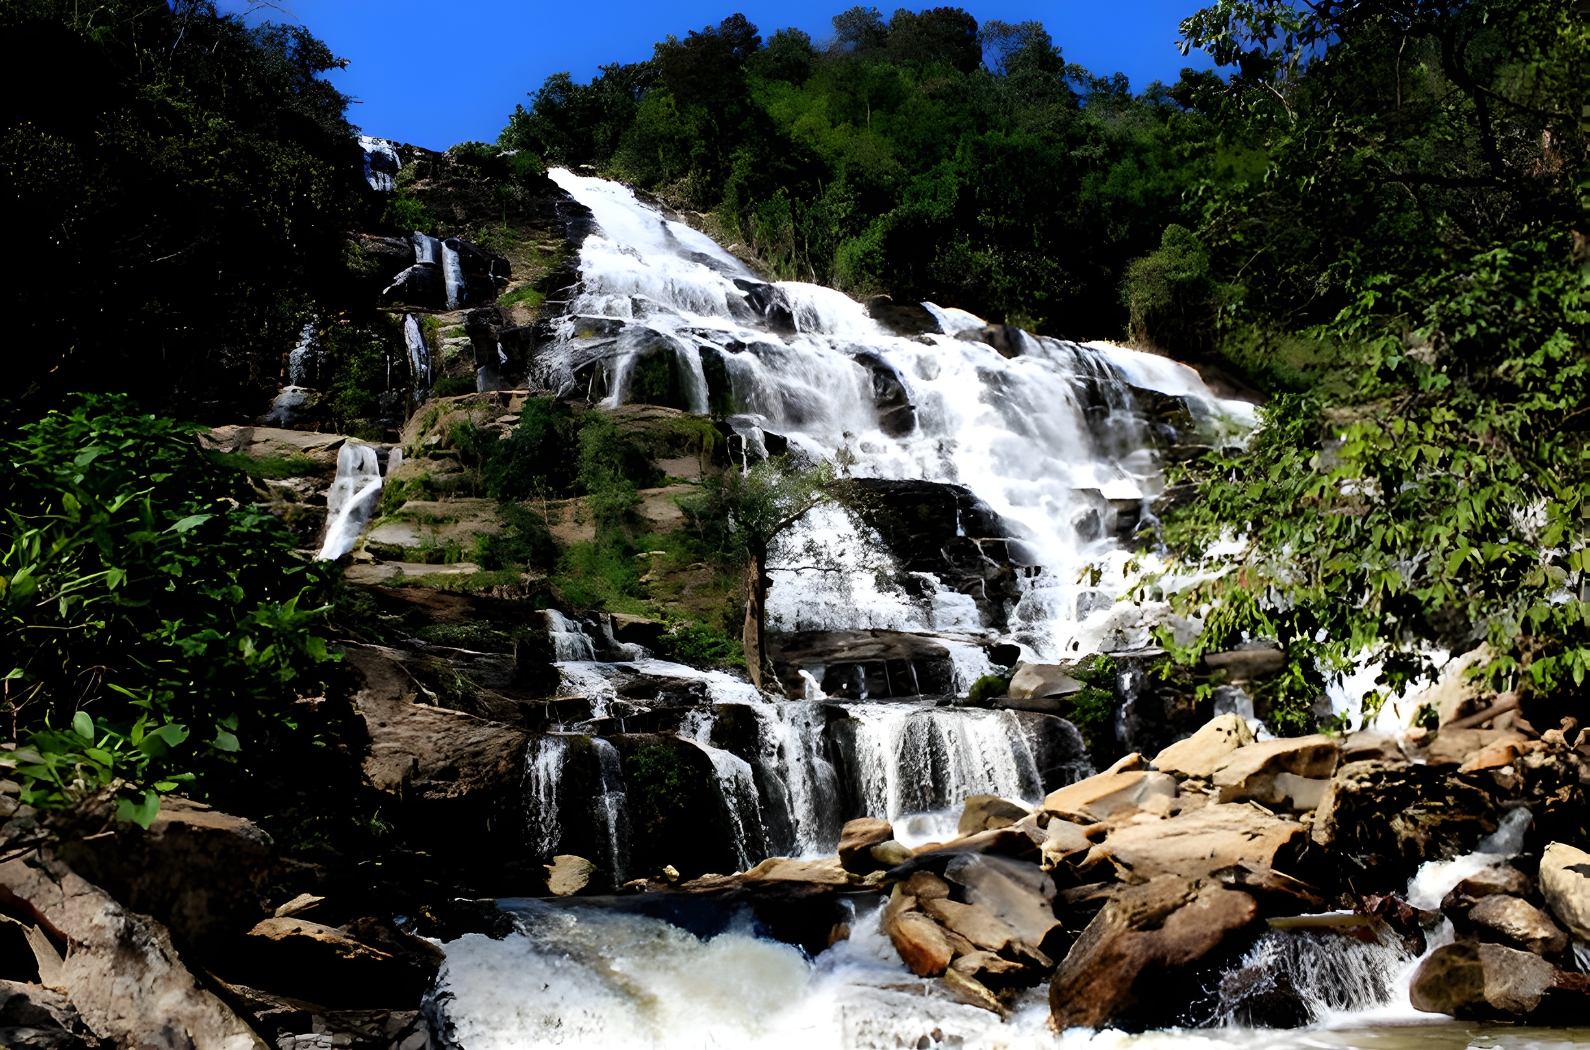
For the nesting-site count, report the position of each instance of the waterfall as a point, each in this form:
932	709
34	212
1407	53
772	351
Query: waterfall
569	641
737	787
351	503
1293	978
904	759
543	773
452	276
1050	434
419	358
610	809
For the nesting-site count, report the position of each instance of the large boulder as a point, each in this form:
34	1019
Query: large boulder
1202	753
983	812
1291	771
1038	681
1133	961
1565	883
1518	923
1106	794
206	876
856	840
919	940
1492	981
1199	842
120	969
1018	893
1454	747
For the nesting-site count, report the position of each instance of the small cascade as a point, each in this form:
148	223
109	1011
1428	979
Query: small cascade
901	759
1294	978
543	775
610	809
419	358
569	641
452	276
736	785
352	501
800	787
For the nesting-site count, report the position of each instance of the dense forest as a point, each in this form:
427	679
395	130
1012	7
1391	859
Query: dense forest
1370	212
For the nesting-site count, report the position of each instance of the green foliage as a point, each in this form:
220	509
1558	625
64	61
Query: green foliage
190	180
1169	295
269	467
524	541
527	294
405	212
699	645
987	688
158	629
660	787
1092	709
453	386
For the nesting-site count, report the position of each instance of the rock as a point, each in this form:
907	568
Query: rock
973	992
925	886
636	630
984	812
298	905
33	1017
1370	747
978	925
122	974
1565	883
1197	843
822	872
1131	957
1018	893
568	875
1275	772
1494	756
1452	747
1518	923
1105	794
916	937
1243	665
1277	892
1200	754
904	319
1492	981
306	960
203	874
856	840
1037	681
1499	878
1063	839
1454	694
891	854
994	971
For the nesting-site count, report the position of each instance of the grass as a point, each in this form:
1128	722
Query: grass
272	467
526	295
462	583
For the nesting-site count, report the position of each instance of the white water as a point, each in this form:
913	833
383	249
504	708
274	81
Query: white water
419	357
1016	431
352	500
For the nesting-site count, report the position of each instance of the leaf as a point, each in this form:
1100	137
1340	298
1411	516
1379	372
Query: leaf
142	813
83	726
102	757
225	741
192	521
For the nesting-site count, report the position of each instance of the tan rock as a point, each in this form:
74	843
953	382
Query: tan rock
983	812
1494	756
891	854
1246	664
1519	923
1454	694
856	840
1452	747
916	937
1255	772
1565	883
973	992
1099	797
989	969
982	927
1064	839
123	975
1370	747
1141	933
1499	878
568	875
1017	892
1201	753
1486	980
1197	843
925	886
1040	680
823	871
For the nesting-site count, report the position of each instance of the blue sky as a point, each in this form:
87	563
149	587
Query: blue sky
436	72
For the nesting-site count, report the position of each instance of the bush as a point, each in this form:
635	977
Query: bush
158	627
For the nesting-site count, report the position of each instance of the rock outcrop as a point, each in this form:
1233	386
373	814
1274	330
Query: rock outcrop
1565	883
1490	981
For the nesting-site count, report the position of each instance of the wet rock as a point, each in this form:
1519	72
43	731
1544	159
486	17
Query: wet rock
122	973
1132	959
1291	771
1565	883
856	840
33	1017
1518	923
1203	752
1006	339
568	875
1244	665
1370	747
1057	748
1105	794
1492	981
904	319
891	854
636	630
306	960
925	886
980	926
919	940
1277	892
1197	843
205	875
1037	681
969	990
983	812
1500	878
1018	893
854	664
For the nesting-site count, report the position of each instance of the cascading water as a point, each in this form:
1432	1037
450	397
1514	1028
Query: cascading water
352	500
610	809
736	785
419	357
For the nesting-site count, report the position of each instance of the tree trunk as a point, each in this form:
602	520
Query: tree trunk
755	614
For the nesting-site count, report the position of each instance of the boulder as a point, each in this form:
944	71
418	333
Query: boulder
1018	893
984	812
121	973
1203	752
1291	771
1243	665
568	875
994	971
204	875
918	939
856	840
1133	956
33	1017
1518	923
1499	878
1492	981
1037	681
1106	794
978	925
824	871
306	960
925	886
1370	747
972	992
1565	883
891	854
1453	747
1062	839
1198	842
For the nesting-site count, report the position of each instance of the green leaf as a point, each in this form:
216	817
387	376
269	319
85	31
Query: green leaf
142	813
192	521
225	741
102	757
83	726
